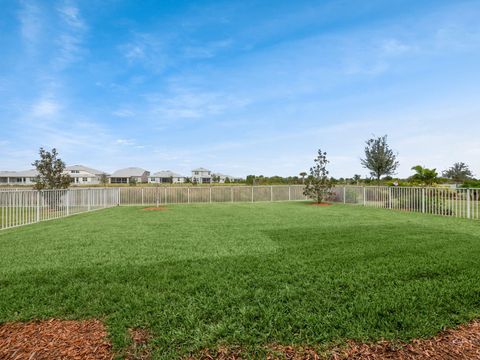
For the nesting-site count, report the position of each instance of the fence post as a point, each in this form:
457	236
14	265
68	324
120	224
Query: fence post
142	196
271	193
289	196
38	206
364	196
157	193
423	200
210	194
188	195
390	198
252	194
344	194
468	203
165	196
231	193
68	202
104	198
89	195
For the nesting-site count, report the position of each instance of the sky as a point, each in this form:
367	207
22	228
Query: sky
239	87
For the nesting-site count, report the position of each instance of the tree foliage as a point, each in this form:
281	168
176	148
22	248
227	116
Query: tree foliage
50	171
459	172
318	185
104	179
424	175
379	158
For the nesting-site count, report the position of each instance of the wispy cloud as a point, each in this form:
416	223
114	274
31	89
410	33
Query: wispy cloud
69	41
193	103
30	19
46	107
147	50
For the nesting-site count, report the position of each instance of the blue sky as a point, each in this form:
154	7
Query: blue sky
240	87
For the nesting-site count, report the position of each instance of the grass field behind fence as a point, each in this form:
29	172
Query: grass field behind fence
203	275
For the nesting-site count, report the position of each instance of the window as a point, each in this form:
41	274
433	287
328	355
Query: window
85	179
196	172
74	171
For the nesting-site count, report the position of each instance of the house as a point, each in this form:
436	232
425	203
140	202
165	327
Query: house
26	177
124	176
201	176
166	176
221	178
83	175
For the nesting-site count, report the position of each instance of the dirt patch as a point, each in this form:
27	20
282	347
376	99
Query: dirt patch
320	204
159	208
462	343
138	349
55	339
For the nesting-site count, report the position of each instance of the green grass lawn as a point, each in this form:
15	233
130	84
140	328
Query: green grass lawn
249	275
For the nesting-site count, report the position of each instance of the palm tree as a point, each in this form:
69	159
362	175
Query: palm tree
303	174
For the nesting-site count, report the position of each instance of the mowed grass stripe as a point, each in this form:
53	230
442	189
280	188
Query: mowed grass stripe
197	276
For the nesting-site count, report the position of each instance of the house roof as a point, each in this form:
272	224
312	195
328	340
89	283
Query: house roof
222	175
200	169
24	173
129	172
85	168
166	174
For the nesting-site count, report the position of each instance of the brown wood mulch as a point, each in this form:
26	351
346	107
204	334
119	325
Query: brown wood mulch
87	339
462	343
319	204
55	339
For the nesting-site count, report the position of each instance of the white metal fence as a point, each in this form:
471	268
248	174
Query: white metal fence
199	194
462	203
21	207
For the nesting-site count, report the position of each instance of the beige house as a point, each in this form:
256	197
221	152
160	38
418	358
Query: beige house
125	176
166	176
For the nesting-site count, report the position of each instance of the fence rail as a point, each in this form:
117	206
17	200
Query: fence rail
21	207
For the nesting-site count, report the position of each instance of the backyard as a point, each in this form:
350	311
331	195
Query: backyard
251	275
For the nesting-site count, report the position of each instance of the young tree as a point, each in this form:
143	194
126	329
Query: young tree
132	181
379	158
303	174
357	178
104	179
459	172
424	175
50	171
318	185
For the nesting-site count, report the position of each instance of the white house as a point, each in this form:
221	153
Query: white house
82	175
26	177
201	176
124	176
221	178
166	176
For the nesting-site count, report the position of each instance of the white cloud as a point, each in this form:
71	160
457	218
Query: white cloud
123	113
45	108
125	142
30	22
191	103
69	40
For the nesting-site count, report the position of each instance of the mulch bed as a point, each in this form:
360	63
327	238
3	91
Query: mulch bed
160	208
87	339
55	339
462	343
319	204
